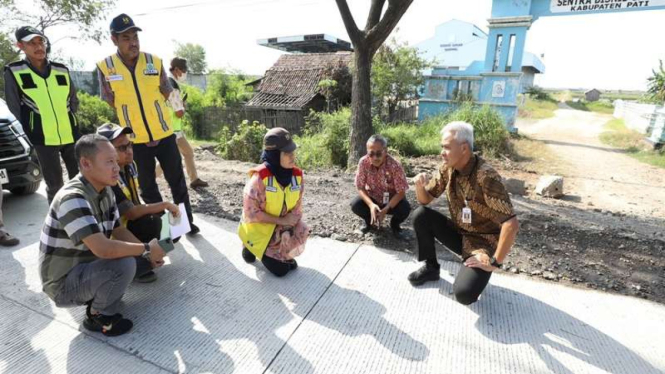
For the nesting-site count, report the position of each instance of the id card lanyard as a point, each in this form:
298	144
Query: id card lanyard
466	213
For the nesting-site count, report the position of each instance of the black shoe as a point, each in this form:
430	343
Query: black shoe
193	230
364	230
400	234
113	325
248	256
293	265
148	277
425	274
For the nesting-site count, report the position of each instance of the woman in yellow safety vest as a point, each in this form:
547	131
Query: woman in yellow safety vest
272	228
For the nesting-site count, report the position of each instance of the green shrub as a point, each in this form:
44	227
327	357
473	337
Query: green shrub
538	93
413	140
490	134
92	113
333	128
312	152
245	145
193	120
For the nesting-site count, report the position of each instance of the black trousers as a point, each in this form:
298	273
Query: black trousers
49	160
146	228
400	212
429	225
276	267
169	158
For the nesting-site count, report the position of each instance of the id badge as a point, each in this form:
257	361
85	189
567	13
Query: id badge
466	215
386	198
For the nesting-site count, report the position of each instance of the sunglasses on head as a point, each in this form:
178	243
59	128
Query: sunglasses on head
375	154
124	148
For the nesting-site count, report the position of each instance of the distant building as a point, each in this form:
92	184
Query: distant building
592	95
292	83
459	45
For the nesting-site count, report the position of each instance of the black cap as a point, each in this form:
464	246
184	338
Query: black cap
280	139
27	33
123	23
111	131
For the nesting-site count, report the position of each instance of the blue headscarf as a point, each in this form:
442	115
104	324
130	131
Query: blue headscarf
271	161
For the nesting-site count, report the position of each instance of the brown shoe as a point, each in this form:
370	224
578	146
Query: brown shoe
7	240
196	183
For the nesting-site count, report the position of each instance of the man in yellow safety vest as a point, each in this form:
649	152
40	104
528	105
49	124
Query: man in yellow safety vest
136	85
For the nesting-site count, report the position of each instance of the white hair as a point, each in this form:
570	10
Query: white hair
462	132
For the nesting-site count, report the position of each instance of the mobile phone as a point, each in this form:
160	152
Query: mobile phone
166	244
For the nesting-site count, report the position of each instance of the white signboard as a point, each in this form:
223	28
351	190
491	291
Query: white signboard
573	6
499	89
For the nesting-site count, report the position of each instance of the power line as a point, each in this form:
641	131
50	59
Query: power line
229	5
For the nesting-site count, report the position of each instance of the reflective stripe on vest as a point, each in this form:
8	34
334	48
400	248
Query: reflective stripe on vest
49	99
138	101
256	236
131	189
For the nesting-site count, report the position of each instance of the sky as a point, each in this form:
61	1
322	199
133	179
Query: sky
605	51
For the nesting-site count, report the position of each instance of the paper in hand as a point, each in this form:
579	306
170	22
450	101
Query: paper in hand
180	225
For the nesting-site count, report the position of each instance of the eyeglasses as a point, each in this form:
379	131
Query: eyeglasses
375	154
124	148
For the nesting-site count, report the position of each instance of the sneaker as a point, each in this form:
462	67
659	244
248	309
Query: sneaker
426	273
148	277
114	325
7	240
196	183
248	256
193	230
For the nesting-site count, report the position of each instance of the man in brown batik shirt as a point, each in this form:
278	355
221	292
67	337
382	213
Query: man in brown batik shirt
482	226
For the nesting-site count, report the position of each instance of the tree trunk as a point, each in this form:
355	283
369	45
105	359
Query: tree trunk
361	107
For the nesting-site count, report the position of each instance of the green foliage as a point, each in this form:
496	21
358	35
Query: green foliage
7	54
538	93
227	88
396	74
311	153
595	106
93	112
245	145
86	15
333	128
656	84
414	140
193	120
489	131
619	136
195	55
537	109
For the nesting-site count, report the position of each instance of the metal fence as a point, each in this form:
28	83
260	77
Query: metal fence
215	118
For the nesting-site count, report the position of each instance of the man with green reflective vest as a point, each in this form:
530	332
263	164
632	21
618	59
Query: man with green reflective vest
136	85
41	94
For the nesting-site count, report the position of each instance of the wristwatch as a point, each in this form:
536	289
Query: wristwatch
494	262
146	251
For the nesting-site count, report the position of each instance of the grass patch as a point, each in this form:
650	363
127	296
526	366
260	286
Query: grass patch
535	155
537	109
596	106
619	136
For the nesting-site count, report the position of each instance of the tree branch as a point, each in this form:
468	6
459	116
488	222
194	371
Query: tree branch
349	22
379	33
374	14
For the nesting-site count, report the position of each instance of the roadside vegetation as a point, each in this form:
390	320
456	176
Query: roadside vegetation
619	136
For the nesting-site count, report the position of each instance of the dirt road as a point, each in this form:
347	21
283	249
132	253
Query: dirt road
599	175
